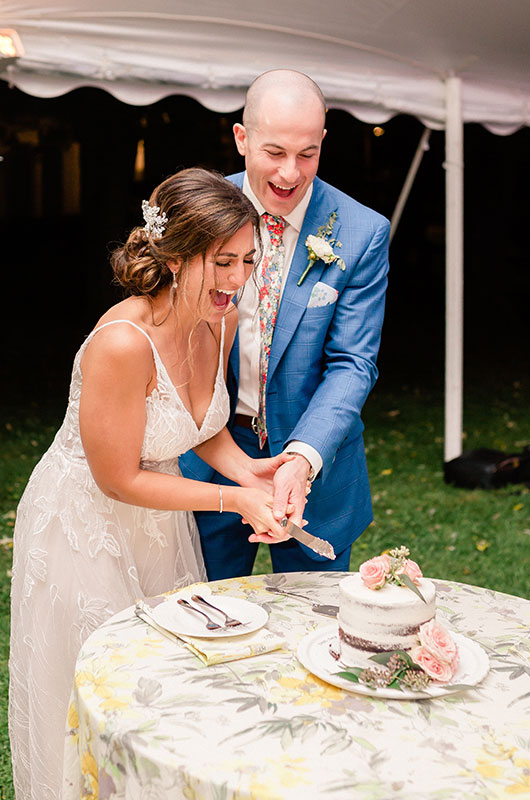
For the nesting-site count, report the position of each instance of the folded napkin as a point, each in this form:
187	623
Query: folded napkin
218	650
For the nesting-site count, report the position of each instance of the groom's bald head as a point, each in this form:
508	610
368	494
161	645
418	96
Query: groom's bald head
285	87
280	138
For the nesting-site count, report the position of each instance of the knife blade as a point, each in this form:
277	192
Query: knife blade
318	608
319	546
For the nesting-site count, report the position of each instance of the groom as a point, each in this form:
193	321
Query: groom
310	336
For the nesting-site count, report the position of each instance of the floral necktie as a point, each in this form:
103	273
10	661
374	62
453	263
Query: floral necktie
269	298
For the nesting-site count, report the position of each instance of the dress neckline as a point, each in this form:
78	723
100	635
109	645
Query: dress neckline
159	362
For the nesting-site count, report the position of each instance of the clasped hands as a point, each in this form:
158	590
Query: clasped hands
285	478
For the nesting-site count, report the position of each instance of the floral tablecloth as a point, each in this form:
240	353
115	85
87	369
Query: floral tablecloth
149	721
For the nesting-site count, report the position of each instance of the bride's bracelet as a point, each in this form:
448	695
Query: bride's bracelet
220	499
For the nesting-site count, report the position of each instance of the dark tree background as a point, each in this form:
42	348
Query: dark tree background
56	230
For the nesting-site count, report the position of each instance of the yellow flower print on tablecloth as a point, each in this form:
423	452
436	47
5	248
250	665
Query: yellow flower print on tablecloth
145	649
98	682
499	761
89	773
113	704
523	787
523	784
493	752
239	586
285	772
489	770
303	691
72	717
118	658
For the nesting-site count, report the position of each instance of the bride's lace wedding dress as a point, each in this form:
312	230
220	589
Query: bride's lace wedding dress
80	557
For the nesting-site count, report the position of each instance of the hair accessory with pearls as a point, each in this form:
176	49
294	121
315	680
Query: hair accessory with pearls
155	222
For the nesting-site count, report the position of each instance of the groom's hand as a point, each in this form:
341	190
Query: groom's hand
290	485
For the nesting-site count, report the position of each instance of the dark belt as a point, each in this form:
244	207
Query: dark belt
244	421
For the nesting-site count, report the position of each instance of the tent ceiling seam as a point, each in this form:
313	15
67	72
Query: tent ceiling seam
264	26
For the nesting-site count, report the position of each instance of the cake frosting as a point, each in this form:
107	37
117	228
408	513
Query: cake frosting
382	619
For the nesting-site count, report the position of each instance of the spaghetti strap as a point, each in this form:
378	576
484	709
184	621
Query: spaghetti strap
114	322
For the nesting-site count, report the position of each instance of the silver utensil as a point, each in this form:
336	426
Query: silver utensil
210	624
318	608
230	622
319	546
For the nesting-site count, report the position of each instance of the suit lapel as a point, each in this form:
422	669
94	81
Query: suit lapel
295	298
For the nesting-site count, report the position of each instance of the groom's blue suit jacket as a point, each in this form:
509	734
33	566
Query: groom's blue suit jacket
323	362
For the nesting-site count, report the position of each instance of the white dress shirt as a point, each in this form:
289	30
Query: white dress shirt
249	330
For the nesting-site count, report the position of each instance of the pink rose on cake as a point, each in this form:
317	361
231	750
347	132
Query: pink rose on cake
393	567
436	670
411	569
374	573
438	641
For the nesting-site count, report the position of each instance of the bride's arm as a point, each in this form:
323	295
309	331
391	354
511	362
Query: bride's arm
117	367
227	458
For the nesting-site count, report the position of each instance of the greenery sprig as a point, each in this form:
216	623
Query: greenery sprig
398	671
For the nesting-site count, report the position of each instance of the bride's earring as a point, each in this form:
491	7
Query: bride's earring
174	284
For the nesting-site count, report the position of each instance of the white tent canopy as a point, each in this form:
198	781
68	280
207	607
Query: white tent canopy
375	58
444	61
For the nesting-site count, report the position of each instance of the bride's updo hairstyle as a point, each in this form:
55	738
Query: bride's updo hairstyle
201	209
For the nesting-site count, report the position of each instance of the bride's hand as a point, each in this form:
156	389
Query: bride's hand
255	507
260	471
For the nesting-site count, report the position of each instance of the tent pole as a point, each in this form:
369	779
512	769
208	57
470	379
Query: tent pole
423	145
454	272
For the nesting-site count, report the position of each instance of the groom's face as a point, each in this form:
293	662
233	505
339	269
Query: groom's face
282	150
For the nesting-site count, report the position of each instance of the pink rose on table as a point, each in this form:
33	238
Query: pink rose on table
438	641
436	670
375	571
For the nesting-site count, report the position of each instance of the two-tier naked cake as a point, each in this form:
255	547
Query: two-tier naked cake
379	610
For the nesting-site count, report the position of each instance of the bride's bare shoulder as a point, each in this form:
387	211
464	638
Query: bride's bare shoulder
121	339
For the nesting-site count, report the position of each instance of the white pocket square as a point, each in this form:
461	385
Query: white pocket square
322	295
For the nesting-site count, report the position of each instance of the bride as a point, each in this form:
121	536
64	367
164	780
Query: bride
106	516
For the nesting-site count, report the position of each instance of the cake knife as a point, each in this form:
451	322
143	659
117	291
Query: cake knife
319	546
318	608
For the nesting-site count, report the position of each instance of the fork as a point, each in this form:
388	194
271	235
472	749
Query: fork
210	625
230	622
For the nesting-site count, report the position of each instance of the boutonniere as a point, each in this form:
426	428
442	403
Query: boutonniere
320	247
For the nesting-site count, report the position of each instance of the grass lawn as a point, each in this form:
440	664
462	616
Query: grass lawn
473	536
476	537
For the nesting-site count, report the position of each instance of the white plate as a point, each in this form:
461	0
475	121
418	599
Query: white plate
313	653
181	620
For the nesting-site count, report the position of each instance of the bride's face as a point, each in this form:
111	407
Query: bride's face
211	284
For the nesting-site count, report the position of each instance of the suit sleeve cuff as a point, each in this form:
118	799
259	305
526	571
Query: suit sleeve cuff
312	455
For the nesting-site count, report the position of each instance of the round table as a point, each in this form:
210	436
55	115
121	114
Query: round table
149	721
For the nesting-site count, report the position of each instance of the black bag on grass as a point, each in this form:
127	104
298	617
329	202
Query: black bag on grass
488	469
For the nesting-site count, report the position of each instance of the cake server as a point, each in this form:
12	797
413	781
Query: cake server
319	546
318	608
